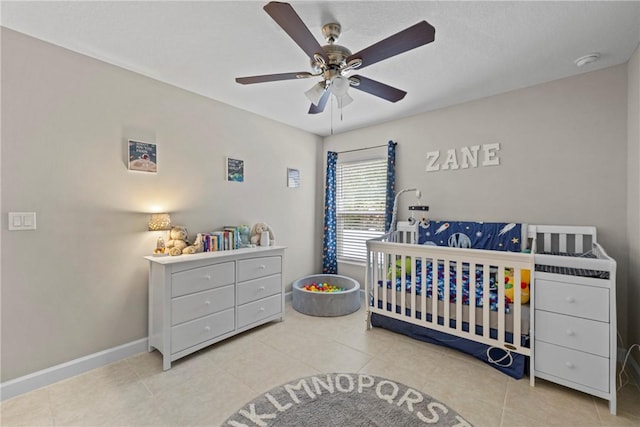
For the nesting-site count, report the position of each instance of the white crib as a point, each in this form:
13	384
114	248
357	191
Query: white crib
555	329
499	328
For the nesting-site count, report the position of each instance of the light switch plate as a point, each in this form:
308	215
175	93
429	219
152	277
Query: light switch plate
19	221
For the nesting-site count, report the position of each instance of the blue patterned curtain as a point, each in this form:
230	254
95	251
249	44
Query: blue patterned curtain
329	250
391	183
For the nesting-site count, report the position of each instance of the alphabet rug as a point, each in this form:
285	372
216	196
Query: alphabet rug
345	400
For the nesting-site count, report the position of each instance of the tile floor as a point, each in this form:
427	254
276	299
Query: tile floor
205	388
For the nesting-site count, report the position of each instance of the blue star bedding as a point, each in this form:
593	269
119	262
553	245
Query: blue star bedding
479	286
462	234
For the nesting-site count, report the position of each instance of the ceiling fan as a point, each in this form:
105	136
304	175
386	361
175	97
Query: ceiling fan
334	63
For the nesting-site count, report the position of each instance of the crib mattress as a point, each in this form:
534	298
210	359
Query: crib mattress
493	315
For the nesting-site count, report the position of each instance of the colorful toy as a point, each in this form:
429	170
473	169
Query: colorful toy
322	287
525	279
407	268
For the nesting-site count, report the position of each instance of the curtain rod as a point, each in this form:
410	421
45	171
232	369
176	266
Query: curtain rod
362	149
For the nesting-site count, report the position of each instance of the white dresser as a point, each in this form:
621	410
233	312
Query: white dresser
200	299
575	329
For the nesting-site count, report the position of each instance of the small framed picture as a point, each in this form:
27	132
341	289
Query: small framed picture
293	178
143	156
234	170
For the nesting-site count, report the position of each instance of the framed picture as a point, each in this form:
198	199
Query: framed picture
234	170
143	156
293	178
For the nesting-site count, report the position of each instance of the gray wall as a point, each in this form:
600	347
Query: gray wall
633	191
78	284
563	160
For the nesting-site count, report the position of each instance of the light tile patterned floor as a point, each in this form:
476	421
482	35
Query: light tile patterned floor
206	387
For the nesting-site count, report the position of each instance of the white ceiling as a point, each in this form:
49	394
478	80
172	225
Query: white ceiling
481	48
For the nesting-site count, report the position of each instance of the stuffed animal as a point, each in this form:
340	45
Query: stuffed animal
177	240
257	231
525	278
198	246
407	268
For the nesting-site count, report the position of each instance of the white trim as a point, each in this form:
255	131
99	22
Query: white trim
45	377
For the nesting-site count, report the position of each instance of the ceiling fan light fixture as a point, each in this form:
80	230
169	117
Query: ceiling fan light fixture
315	93
344	100
339	86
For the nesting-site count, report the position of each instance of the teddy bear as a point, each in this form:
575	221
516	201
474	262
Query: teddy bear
196	247
257	231
177	240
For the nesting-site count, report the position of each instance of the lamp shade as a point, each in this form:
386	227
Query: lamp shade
315	93
159	221
339	86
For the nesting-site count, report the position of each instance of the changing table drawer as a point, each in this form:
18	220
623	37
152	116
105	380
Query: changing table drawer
200	304
254	268
575	300
573	332
582	368
259	288
202	329
258	310
203	278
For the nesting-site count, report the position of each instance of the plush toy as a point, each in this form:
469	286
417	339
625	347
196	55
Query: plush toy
256	232
196	247
407	268
245	236
525	278
177	240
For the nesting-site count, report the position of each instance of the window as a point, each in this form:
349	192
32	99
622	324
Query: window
360	206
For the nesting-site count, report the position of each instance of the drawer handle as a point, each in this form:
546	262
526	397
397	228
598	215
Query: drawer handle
262	266
570	300
261	288
570	332
569	365
207	277
207	302
207	328
261	309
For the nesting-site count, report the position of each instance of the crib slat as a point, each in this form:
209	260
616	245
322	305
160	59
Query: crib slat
562	242
501	303
579	243
434	291
517	306
472	298
459	296
392	265
383	273
486	289
547	242
423	296
403	284
447	294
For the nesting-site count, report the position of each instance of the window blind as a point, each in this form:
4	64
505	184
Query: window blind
360	206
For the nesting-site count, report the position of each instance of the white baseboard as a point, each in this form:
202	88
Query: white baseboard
45	377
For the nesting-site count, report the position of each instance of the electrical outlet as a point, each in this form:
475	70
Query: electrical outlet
19	221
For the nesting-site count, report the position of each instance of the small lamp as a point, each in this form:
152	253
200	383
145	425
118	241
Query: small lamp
159	222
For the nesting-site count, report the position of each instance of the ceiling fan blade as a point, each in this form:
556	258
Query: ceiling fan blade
420	34
315	109
288	19
379	89
273	77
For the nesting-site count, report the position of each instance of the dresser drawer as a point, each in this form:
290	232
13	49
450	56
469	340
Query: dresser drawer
200	304
573	332
578	367
202	329
575	300
258	310
258	267
259	288
203	278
